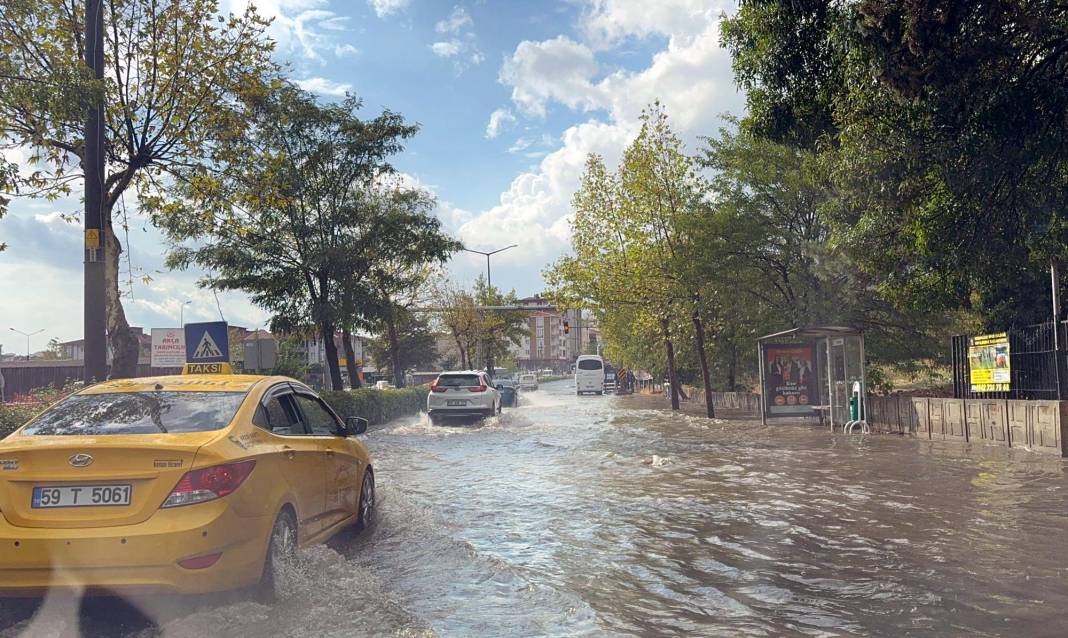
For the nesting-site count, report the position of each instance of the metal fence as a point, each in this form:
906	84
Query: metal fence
1038	365
23	377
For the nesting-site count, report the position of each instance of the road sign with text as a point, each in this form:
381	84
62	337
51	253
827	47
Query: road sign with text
168	347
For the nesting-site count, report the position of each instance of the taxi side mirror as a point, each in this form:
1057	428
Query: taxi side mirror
355	425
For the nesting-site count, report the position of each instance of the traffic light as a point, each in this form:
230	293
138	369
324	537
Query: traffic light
567	328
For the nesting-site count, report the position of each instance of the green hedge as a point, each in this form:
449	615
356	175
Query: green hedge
377	406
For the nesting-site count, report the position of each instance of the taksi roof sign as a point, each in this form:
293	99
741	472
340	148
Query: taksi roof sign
207	342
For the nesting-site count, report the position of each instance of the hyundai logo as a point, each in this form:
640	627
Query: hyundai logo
80	460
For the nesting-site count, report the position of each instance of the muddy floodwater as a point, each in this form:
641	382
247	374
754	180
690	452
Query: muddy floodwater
610	515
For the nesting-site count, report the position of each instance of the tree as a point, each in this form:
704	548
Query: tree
481	335
768	239
400	278
631	245
290	212
172	70
941	124
458	312
409	345
497	330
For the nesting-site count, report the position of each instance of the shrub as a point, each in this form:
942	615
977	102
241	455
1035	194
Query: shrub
377	406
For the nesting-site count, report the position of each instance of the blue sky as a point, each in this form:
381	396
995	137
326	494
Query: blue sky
511	96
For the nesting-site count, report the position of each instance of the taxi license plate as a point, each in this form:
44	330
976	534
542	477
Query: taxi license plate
81	496
456	403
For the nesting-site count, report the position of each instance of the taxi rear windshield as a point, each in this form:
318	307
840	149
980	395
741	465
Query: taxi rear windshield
459	381
138	413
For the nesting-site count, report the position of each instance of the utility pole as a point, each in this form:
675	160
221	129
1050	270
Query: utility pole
95	318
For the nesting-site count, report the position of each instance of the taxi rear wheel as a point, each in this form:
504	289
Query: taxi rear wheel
367	500
281	556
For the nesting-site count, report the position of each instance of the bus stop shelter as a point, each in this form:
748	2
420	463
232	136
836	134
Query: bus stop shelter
812	372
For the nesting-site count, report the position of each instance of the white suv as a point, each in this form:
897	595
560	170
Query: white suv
468	393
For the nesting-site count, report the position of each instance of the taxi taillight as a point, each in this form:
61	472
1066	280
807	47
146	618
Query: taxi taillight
209	483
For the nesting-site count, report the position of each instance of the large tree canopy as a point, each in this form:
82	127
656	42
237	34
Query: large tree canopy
172	69
942	124
302	213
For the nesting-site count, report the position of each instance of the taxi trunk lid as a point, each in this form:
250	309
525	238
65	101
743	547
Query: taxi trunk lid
150	465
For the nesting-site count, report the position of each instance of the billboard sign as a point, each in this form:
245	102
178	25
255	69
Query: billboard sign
207	342
990	363
168	348
791	385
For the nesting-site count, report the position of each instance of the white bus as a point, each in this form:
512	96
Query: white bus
589	374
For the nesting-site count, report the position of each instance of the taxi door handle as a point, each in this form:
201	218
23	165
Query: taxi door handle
290	453
330	453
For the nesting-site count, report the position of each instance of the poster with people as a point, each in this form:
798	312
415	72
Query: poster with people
791	385
990	363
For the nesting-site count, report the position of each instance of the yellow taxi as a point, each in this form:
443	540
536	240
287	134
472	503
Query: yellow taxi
182	484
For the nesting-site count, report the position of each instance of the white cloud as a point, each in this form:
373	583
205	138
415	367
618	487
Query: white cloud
385	8
323	86
461	45
559	69
537	202
606	22
446	49
691	76
457	20
497	121
344	50
306	29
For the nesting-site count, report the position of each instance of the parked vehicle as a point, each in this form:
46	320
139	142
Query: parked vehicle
509	390
589	374
469	393
528	381
181	484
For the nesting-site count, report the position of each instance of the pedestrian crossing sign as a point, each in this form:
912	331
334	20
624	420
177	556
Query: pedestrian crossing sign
207	342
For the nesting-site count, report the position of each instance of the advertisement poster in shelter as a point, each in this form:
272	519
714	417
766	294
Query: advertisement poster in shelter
791	385
990	363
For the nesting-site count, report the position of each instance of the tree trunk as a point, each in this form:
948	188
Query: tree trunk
125	347
350	359
706	376
394	351
673	378
327	329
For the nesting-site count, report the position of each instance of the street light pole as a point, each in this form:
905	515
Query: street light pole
489	285
489	280
28	335
181	315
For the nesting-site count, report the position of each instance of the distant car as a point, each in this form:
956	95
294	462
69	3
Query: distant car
382	384
468	393
509	390
177	484
528	381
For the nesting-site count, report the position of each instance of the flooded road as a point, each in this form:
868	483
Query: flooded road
610	515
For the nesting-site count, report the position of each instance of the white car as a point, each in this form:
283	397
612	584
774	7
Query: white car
462	394
528	382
